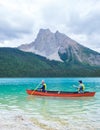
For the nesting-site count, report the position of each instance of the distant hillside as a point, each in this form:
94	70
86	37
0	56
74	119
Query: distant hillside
16	63
59	47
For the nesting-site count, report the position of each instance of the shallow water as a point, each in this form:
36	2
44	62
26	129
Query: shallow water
21	111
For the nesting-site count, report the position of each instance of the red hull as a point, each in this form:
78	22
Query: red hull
60	94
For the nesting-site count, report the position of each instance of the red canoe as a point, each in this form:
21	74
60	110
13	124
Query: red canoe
60	93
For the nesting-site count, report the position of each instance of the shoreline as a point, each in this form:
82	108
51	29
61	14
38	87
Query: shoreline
19	121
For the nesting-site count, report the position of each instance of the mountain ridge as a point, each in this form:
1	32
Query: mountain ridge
57	46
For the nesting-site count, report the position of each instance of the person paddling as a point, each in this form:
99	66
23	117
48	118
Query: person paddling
43	88
81	87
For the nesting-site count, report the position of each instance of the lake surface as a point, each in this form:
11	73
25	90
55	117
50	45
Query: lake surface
21	111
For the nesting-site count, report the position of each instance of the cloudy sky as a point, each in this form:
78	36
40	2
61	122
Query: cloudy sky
20	20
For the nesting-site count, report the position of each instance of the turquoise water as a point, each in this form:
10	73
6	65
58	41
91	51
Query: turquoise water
48	113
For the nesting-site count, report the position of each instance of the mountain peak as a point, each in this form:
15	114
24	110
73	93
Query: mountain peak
44	31
57	32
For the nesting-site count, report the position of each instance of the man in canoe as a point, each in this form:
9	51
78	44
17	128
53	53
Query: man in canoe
43	88
81	87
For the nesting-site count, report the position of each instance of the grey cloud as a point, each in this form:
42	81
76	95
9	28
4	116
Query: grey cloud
14	24
54	13
86	25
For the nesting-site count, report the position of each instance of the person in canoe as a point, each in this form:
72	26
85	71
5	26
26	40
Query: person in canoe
81	87
43	88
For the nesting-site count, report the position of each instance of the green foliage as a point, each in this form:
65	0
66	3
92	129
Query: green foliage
16	63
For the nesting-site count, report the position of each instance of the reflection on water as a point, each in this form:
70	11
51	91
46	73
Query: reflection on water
60	106
67	112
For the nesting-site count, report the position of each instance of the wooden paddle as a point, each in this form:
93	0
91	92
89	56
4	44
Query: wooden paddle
36	88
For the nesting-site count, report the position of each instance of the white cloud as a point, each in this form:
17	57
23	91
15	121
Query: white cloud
22	19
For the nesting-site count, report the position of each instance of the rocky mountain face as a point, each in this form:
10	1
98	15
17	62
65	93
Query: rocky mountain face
59	47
